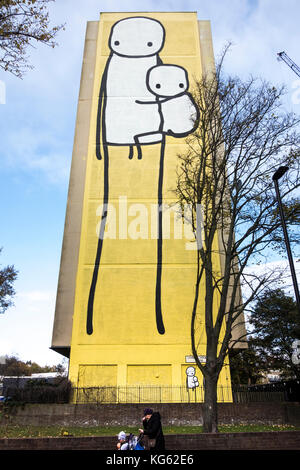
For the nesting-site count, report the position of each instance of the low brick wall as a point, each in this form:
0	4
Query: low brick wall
285	440
130	414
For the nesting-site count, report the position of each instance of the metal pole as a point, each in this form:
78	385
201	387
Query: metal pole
286	238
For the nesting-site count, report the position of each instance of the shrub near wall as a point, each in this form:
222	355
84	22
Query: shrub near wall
40	391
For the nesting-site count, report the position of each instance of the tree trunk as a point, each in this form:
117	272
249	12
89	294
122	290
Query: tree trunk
210	411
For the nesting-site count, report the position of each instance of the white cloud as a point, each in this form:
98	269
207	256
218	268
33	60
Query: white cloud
278	273
36	150
26	328
35	297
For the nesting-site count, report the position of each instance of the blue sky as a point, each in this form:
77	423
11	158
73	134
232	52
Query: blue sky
37	129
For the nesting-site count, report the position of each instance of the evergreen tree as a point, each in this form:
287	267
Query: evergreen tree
276	324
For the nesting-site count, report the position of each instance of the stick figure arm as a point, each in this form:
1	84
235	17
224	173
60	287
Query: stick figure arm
145	102
161	100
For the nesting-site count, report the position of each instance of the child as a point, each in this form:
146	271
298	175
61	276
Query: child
122	444
178	112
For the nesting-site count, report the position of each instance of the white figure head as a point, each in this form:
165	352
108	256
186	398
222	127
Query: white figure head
137	37
167	80
190	371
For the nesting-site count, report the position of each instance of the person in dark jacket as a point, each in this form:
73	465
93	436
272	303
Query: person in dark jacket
153	429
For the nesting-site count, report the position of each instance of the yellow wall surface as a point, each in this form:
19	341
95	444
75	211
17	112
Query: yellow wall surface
125	347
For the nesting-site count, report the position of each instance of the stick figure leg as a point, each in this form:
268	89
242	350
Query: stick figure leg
138	139
138	146
159	318
130	156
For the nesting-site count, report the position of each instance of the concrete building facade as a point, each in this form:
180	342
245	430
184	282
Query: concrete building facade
128	264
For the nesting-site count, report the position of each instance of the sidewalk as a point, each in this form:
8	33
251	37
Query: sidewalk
274	440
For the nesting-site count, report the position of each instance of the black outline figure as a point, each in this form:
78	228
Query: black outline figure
195	381
161	138
101	131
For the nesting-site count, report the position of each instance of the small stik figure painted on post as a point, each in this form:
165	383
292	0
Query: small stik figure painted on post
191	379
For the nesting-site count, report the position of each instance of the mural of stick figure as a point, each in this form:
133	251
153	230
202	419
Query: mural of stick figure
134	44
148	100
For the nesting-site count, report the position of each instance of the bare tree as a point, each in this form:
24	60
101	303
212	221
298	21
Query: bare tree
225	177
22	23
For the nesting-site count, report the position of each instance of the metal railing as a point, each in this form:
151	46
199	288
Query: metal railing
172	394
145	394
260	393
148	394
136	394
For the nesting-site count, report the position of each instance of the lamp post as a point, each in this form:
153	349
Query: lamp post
277	175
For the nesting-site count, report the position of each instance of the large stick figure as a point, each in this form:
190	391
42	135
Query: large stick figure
125	118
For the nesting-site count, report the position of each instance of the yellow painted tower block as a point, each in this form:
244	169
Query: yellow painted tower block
125	299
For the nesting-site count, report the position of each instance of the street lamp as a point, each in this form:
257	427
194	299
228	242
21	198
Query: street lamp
277	175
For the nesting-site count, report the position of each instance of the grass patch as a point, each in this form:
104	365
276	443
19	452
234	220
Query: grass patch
11	431
257	427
